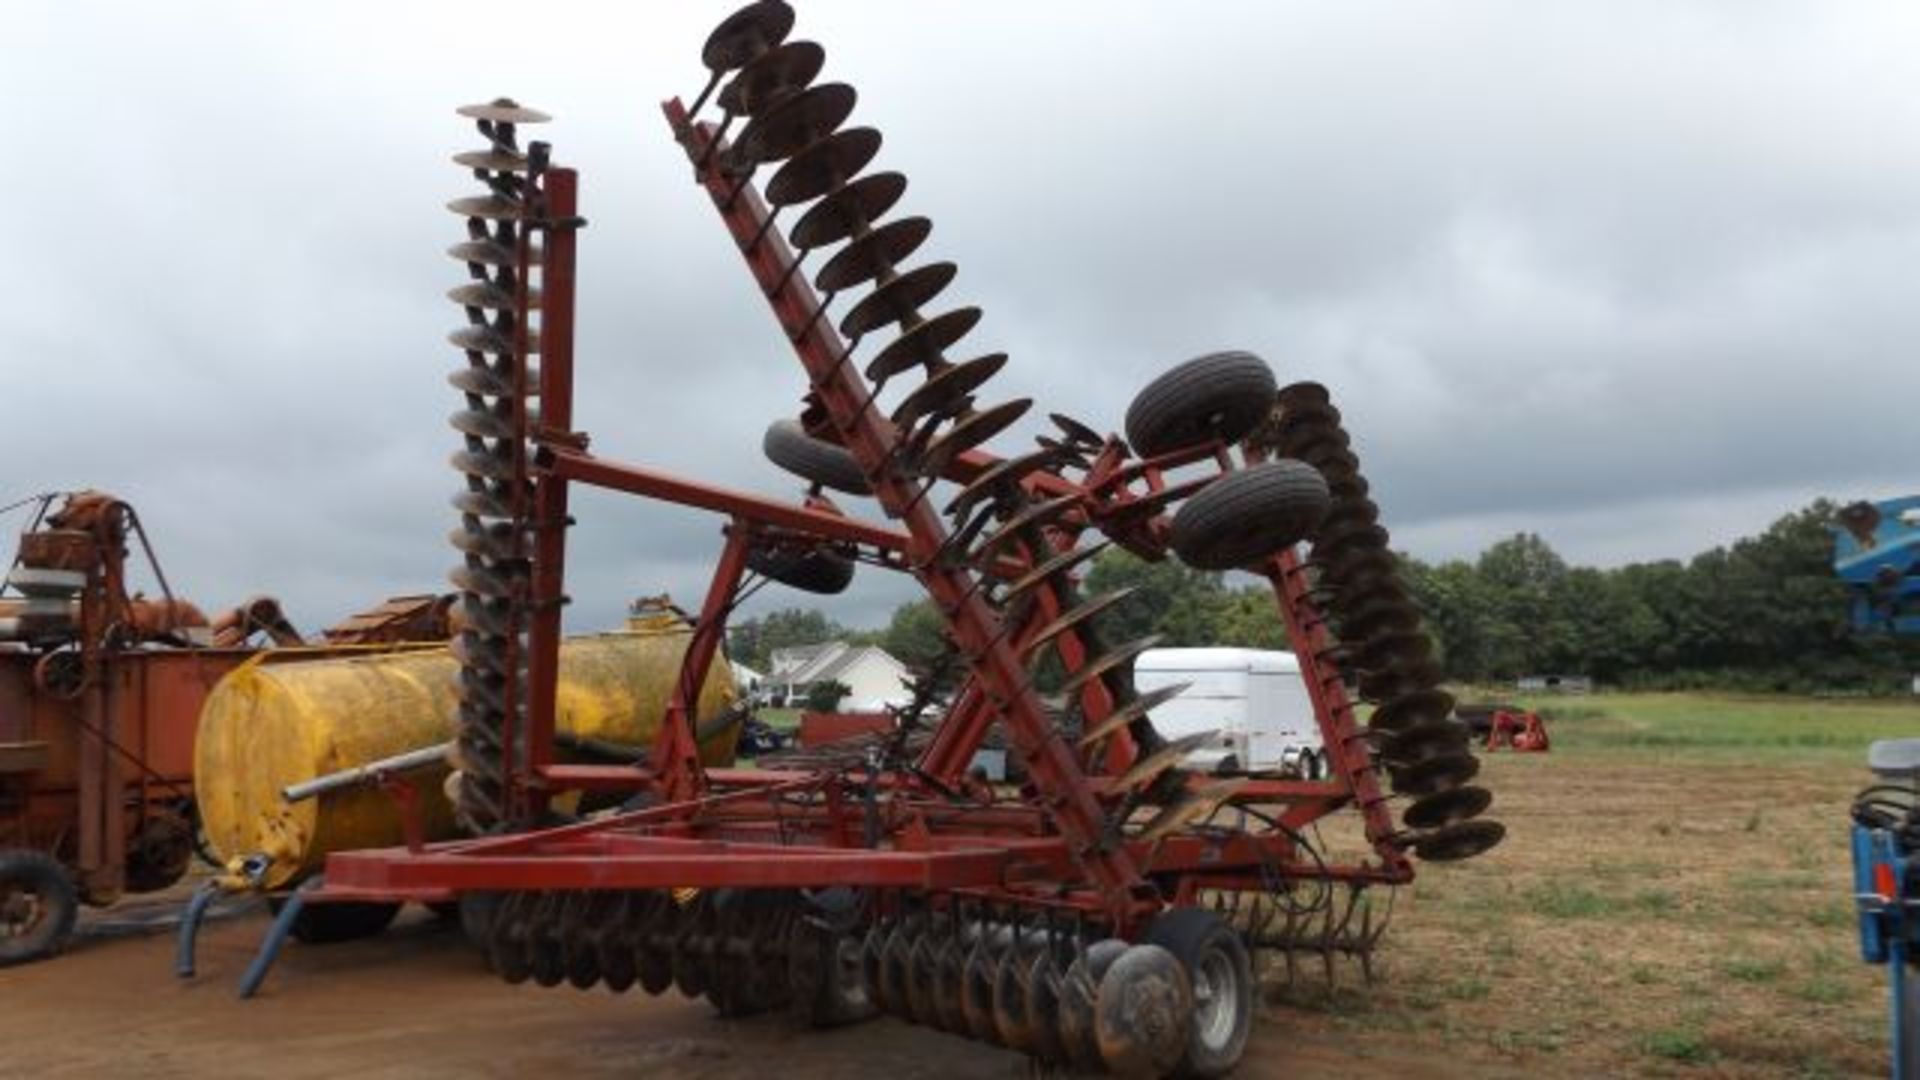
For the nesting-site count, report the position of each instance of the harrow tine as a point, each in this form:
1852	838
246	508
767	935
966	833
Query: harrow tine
1054	567
1106	662
1146	770
1031	516
1125	715
1076	617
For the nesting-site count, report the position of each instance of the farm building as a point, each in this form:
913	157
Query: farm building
874	678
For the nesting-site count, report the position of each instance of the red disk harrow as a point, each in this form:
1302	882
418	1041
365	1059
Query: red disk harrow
1103	914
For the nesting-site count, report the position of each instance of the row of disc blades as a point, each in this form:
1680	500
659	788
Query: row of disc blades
1383	647
778	116
496	386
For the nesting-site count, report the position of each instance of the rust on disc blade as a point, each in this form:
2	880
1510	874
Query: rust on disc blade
483	504
793	123
1107	661
1075	431
824	166
485	294
1461	840
489	464
1317	446
1390	646
1409	709
1348	536
863	259
488	339
1400	678
772	75
495	541
949	389
1459	804
482	424
488	252
1302	413
1359	513
1148	769
489	207
1436	774
1356	564
972	430
495	160
847	210
503	111
1074	618
1034	513
1300	394
923	344
898	299
746	34
1006	471
1053	567
1428	738
1131	711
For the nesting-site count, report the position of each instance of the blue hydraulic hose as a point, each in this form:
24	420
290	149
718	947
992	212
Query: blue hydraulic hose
276	937
190	927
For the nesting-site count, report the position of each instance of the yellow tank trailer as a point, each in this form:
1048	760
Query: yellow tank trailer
286	719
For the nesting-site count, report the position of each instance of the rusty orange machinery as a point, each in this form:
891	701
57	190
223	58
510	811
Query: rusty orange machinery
101	693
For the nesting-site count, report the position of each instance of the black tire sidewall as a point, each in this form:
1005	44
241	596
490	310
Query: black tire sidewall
1191	934
47	878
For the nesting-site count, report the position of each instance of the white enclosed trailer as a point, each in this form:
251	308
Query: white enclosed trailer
1255	699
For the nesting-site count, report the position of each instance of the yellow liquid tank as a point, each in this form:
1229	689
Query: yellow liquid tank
288	719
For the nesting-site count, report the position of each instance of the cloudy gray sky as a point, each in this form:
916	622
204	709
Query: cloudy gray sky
1635	275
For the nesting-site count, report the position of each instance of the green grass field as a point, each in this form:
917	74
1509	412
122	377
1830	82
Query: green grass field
1712	726
1673	898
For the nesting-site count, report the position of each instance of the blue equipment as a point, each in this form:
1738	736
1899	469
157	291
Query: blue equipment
1886	891
1876	551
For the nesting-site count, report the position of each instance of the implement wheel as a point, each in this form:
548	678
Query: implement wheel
1222	975
38	906
820	571
788	445
1221	395
1249	515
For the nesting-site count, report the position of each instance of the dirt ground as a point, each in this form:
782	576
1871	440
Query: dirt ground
1651	914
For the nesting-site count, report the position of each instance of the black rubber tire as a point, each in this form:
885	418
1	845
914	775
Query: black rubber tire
1248	515
1223	395
56	905
820	571
330	924
1204	943
788	445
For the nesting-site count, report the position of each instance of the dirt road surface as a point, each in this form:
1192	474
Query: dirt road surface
416	1002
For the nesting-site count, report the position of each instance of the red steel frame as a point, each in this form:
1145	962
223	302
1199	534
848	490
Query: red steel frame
779	829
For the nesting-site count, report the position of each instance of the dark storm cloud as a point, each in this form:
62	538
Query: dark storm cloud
1632	275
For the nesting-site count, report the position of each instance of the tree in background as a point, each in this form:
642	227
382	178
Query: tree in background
753	641
827	696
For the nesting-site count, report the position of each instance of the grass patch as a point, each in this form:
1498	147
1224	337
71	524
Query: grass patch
1754	969
1655	901
1687	1046
1568	900
1822	990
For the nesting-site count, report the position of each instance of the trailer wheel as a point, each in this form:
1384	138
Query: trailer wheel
1216	960
1249	515
38	906
1221	395
817	571
788	445
330	924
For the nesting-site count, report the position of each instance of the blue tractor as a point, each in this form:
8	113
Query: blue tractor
1877	553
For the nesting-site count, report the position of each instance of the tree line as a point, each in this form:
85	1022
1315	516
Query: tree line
1763	613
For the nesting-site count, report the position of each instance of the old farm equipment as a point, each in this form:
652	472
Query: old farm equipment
100	691
1103	913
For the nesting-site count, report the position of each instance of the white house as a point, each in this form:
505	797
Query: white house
875	678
